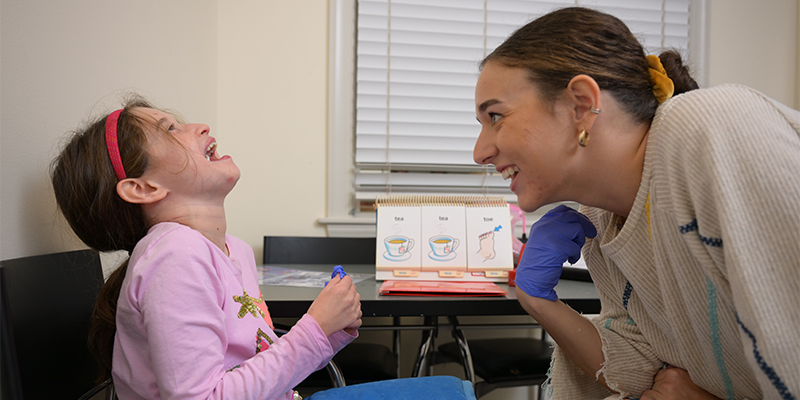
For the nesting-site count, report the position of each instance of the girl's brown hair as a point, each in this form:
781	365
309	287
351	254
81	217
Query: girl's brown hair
572	41
85	188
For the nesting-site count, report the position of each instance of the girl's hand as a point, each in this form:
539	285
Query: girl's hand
675	383
337	307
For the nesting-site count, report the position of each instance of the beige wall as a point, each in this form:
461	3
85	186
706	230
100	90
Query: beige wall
61	62
755	43
273	115
256	72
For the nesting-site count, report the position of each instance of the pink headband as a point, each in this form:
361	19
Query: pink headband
112	145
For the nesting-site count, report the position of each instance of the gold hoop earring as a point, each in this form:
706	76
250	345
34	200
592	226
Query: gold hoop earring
583	138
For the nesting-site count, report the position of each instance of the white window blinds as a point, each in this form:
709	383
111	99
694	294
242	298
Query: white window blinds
417	65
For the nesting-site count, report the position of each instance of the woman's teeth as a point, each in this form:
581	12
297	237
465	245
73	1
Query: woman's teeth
510	172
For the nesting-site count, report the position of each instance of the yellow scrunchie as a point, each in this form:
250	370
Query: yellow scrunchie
663	87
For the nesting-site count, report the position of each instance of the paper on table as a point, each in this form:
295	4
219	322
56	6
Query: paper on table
269	275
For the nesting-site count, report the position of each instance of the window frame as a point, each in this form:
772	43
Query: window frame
343	217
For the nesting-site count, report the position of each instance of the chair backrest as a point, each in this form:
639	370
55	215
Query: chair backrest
46	303
318	250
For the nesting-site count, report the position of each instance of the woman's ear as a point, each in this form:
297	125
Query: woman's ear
585	93
140	191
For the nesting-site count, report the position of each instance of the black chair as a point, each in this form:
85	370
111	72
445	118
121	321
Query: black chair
359	362
45	306
502	362
499	362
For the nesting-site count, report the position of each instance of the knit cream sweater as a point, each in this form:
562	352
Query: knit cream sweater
705	272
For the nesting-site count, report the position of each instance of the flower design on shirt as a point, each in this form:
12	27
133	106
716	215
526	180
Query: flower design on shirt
248	305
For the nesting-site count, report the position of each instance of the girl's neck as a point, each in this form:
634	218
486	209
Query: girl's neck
214	229
208	220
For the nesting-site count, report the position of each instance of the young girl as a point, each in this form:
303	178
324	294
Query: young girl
183	317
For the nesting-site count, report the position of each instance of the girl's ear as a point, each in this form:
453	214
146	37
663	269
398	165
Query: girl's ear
140	191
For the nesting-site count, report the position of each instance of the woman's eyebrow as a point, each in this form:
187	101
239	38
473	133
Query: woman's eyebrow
486	104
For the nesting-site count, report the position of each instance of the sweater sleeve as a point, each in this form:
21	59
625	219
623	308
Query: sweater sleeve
340	339
294	356
741	211
180	296
336	341
630	361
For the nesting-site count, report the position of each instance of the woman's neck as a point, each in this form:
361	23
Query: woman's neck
612	174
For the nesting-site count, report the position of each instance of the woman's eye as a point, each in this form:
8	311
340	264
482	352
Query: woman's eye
494	117
171	128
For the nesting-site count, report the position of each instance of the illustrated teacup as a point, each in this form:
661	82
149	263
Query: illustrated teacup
398	245
443	245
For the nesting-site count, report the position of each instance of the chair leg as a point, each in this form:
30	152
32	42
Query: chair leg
337	378
463	347
396	346
425	347
466	357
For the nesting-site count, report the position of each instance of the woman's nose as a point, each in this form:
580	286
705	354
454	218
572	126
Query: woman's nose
484	151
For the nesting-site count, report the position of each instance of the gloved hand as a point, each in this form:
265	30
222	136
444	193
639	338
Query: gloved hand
555	238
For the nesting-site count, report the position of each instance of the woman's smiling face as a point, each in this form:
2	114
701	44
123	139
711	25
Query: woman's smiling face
523	137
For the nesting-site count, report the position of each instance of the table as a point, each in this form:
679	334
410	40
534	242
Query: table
291	301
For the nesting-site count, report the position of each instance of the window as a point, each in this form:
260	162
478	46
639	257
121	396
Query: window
402	116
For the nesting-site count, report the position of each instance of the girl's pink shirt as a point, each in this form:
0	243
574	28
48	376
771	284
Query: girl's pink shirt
192	324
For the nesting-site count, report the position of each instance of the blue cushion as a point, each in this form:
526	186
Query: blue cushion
426	387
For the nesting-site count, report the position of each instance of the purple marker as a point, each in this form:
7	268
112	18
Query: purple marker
338	270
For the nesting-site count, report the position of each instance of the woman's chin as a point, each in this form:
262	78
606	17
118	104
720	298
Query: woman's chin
527	204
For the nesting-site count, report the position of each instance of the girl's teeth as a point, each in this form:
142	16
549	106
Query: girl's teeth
210	150
510	172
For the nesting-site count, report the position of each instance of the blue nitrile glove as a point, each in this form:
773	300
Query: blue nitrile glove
555	238
337	270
